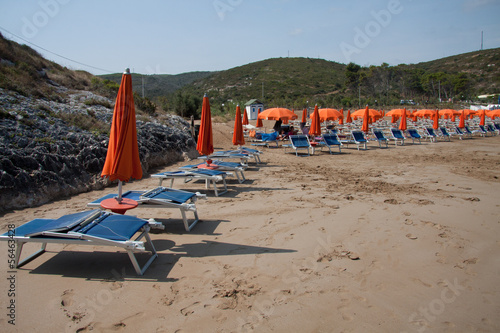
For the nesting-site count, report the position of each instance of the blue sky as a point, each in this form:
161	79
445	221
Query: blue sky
177	36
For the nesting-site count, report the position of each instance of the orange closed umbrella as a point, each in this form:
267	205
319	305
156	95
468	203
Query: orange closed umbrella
435	124
122	159
245	117
348	118
315	128
205	145
259	121
304	115
238	139
341	119
461	123
366	120
482	116
402	124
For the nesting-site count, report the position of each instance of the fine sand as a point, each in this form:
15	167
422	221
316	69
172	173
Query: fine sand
403	239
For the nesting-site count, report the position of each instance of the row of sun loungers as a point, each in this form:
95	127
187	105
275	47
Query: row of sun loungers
100	228
302	142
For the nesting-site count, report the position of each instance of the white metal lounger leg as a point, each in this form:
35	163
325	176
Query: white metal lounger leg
133	259
188	226
19	249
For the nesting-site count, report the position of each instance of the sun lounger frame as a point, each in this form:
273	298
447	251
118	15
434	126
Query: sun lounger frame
397	135
414	135
130	246
189	175
380	137
151	202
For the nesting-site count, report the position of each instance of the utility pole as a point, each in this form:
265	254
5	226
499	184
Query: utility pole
481	40
262	91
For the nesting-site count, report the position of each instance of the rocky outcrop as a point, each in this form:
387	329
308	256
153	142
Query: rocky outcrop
42	158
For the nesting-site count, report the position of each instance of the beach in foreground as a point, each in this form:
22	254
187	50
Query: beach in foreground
403	239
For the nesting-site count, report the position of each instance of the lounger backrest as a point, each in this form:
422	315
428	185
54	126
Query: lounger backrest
397	133
444	131
459	131
299	141
331	139
379	135
413	133
430	131
358	136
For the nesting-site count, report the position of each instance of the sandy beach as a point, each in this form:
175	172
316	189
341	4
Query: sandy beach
403	239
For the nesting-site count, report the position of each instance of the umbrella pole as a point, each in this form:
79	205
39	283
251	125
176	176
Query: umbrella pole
119	198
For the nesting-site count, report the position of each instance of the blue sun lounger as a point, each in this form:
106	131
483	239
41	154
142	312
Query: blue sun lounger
359	138
210	177
414	135
380	137
300	142
235	167
331	140
444	134
492	129
430	134
462	133
93	227
397	135
161	197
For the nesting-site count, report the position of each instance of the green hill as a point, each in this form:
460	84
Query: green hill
159	84
296	82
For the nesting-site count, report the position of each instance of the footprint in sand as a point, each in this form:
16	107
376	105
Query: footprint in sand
67	297
189	309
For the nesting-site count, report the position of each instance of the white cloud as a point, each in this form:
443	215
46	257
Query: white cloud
296	32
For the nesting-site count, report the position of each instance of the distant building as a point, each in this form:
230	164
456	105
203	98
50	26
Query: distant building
252	108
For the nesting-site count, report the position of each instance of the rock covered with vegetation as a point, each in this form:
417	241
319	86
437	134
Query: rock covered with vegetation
53	149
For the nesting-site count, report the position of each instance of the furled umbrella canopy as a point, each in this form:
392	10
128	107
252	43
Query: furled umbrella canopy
259	121
341	119
366	120
435	118
245	118
315	128
461	123
348	118
304	116
122	159
238	139
205	145
402	124
482	117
